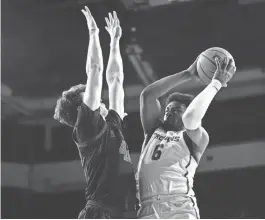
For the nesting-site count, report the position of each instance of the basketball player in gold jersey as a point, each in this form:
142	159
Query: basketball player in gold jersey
174	146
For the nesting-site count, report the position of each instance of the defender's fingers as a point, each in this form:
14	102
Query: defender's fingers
111	19
115	15
87	9
107	21
115	18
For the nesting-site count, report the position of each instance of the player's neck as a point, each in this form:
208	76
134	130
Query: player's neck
168	127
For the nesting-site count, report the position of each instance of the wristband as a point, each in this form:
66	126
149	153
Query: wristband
216	84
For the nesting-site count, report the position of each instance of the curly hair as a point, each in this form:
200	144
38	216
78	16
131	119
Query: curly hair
66	107
185	99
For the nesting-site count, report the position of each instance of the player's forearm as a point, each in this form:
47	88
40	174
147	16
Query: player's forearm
164	85
198	107
115	64
94	54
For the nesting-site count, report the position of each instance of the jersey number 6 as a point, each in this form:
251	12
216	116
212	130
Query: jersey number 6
157	152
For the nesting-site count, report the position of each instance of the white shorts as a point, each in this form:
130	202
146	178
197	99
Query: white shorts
169	207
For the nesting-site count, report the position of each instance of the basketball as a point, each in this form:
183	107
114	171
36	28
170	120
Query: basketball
206	65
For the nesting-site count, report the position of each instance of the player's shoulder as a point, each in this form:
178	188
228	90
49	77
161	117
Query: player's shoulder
158	127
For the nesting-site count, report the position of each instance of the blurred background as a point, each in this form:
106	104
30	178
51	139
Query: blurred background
44	46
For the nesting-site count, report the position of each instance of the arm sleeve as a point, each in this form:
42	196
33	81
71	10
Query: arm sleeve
197	108
89	127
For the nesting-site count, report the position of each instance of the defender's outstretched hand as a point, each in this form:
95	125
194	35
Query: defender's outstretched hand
91	24
113	26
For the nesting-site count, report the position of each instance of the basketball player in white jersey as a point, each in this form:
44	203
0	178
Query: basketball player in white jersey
174	146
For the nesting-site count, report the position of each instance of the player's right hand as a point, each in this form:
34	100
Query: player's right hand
113	26
91	24
225	71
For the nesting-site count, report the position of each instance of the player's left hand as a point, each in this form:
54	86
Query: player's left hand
113	26
192	70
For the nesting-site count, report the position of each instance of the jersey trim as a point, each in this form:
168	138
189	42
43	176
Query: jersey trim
188	141
149	134
190	144
196	213
186	176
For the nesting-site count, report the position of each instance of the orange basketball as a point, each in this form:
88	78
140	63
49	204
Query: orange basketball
206	65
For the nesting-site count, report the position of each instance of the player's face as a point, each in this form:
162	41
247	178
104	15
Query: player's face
173	114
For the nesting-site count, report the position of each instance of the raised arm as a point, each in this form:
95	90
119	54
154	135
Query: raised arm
94	64
150	108
114	72
198	107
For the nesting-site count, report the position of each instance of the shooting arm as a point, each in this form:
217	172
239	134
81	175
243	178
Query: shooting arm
198	107
194	114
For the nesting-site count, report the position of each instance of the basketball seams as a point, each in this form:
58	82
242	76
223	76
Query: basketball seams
208	59
208	77
218	51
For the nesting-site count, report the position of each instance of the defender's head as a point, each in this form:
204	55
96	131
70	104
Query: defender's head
67	104
176	105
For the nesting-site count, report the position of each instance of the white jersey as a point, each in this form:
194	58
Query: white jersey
165	177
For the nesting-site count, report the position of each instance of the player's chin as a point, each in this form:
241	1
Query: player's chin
169	121
166	119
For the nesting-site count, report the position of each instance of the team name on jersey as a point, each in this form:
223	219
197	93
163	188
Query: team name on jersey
168	139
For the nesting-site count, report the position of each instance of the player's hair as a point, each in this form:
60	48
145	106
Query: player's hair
185	99
66	107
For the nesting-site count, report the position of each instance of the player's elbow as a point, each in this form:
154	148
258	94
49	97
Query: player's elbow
146	94
190	120
147	97
94	69
114	79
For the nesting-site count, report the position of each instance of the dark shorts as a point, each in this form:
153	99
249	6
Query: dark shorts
94	210
93	213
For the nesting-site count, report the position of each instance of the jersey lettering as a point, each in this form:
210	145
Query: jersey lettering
168	139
